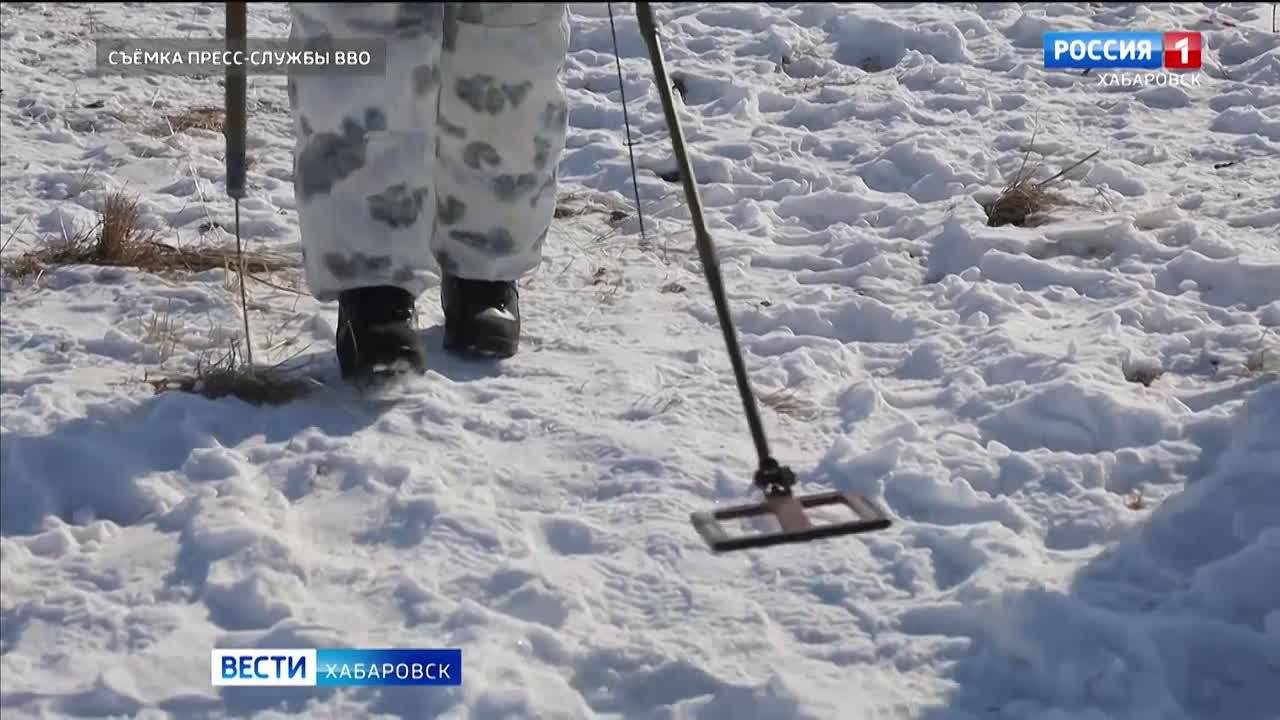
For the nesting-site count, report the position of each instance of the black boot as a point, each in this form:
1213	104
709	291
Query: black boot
481	317
375	333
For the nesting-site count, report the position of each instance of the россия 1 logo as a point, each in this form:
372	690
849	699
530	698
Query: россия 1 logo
1171	52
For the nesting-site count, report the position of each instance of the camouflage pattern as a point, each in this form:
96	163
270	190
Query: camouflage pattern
446	162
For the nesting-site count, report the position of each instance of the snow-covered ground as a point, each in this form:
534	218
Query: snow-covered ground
1067	543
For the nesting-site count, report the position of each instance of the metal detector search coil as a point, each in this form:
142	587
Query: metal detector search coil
790	513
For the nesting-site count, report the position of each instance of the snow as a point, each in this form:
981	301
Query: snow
1072	424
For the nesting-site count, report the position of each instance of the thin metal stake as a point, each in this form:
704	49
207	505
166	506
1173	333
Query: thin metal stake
626	121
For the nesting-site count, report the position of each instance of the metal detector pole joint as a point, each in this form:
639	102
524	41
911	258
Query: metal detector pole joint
775	480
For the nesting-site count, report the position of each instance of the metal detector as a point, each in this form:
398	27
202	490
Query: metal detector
773	480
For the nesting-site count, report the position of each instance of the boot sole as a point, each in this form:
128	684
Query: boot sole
382	372
483	348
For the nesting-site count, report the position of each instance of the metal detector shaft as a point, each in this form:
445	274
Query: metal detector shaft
235	126
706	248
235	85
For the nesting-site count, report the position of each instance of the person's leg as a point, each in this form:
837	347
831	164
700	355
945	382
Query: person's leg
503	119
364	161
364	153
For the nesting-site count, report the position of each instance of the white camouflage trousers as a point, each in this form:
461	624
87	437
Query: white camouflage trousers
447	162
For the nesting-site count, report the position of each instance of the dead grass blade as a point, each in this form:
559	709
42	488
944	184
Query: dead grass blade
201	118
12	233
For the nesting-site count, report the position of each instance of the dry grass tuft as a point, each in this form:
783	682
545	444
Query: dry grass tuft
164	332
200	118
1141	369
1019	202
576	204
25	265
119	239
1143	374
1023	198
121	236
231	376
786	402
